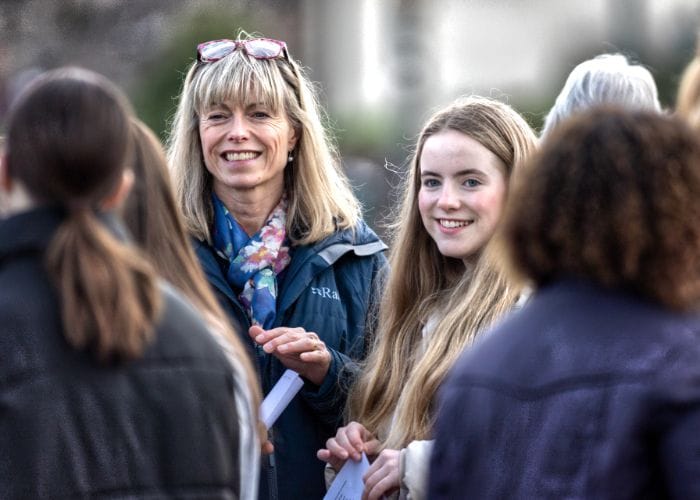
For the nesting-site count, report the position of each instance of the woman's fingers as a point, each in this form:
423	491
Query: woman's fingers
357	435
326	456
336	449
297	349
287	340
383	475
294	344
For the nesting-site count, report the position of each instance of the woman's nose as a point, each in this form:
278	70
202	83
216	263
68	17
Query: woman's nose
448	198
238	130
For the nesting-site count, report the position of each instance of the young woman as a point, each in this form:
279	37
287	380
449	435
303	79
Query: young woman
112	383
443	290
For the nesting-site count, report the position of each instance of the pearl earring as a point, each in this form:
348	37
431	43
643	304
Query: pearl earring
290	157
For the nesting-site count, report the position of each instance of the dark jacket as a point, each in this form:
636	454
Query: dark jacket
584	393
327	289
163	426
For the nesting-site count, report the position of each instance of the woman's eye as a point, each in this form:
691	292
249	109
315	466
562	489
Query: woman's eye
260	114
215	116
472	183
430	183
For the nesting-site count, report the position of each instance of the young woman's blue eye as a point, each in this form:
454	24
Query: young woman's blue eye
431	183
472	183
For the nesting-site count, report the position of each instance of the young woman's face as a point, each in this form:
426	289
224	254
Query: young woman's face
245	147
463	189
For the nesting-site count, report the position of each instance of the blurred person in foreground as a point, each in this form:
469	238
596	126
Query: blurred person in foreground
445	288
113	385
153	219
4	203
278	232
592	390
604	79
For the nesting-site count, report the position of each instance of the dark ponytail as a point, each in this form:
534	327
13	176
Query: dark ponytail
109	297
68	141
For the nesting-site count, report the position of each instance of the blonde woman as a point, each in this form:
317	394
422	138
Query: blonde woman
278	232
443	290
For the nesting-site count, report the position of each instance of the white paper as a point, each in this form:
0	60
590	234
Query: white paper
280	396
348	483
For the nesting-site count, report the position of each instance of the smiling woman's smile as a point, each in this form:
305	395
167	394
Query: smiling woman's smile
246	148
462	192
240	155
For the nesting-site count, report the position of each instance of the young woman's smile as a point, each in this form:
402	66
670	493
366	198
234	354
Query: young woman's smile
462	192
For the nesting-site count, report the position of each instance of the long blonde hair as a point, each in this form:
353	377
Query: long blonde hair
399	382
319	194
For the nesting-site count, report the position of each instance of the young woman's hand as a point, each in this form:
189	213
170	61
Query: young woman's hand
296	349
349	442
267	448
382	477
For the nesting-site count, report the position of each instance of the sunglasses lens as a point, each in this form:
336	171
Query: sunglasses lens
213	51
263	49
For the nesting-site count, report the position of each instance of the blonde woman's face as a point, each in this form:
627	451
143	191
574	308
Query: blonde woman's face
462	193
245	147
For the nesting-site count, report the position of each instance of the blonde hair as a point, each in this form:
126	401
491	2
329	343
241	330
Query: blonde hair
399	381
319	194
688	101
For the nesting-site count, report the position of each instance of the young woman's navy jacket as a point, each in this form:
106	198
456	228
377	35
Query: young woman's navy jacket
328	288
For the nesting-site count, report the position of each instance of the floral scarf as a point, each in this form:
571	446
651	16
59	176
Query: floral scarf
254	261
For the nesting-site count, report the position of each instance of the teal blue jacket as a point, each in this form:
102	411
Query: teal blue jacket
328	288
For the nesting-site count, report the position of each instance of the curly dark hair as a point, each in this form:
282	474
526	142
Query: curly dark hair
612	197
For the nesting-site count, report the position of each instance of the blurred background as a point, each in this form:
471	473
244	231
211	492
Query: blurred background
382	66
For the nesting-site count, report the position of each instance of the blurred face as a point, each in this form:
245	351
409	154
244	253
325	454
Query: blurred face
245	148
463	189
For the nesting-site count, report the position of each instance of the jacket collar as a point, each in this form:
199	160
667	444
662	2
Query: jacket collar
361	240
31	231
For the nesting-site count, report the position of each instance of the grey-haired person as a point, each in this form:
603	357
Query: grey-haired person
607	79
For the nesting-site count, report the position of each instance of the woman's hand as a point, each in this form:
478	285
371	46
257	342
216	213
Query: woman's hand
382	477
296	349
267	448
349	442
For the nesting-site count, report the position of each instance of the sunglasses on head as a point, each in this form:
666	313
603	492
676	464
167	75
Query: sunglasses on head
259	48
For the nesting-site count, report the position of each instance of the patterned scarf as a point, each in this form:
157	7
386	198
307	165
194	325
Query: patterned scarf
254	262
